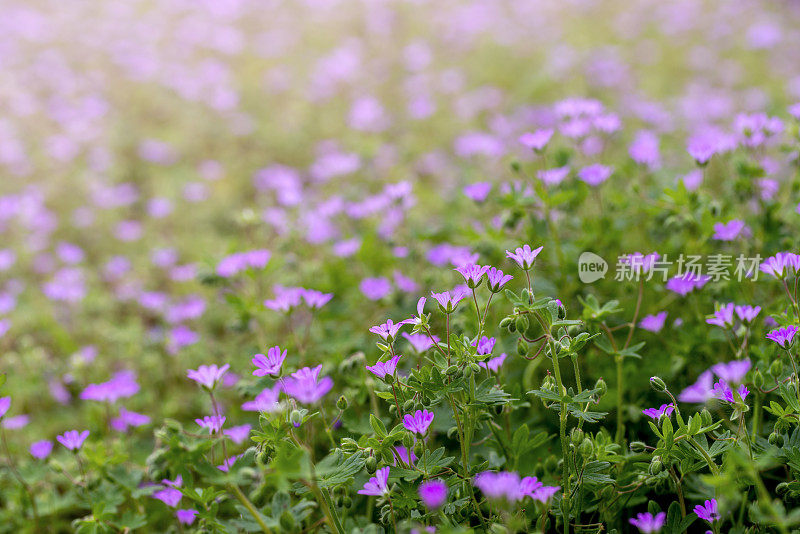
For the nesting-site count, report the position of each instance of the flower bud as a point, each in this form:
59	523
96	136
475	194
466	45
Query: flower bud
775	439
758	379
295	418
602	386
287	521
522	347
586	448
452	370
349	445
637	447
452	432
521	323
341	403
782	489
408	441
655	465
776	368
576	435
419	448
657	384
505	322
408	406
371	465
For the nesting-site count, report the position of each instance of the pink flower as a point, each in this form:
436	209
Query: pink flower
72	439
525	256
377	485
208	375
419	422
433	493
269	364
381	369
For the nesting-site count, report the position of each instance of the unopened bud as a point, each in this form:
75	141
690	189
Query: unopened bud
657	384
341	403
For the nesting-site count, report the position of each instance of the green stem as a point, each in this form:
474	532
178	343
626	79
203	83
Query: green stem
562	431
620	421
250	508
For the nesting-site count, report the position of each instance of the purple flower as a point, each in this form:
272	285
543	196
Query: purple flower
388	330
433	493
485	345
661	411
269	364
235	263
533	488
375	288
72	439
419	422
496	279
746	314
305	385
169	496
783	336
536	140
420	342
123	384
285	299
595	174
15	422
377	485
316	299
644	149
266	401
729	231
5	404
707	511
493	364
128	419
686	283
405	455
724	392
41	449
640	263
381	369
186	516
700	391
213	423
525	257
553	176
227	463
733	371
238	433
653	323
478	191
723	316
648	523
502	485
448	301
208	375
780	264
473	274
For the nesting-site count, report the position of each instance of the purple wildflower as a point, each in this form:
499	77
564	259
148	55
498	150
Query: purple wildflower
525	257
433	493
448	301
266	401
213	423
377	485
316	299
381	369
128	419
5	404
41	449
553	176
536	140
375	288
493	364
420	342
729	231
723	316
648	523
419	422
208	375
502	485
238	434
653	323
724	392
783	336
686	283
700	391
496	279
707	511
186	516
123	384
169	496
473	274
780	264
388	330
478	191
72	439
595	174
269	364
733	371
661	411
306	386
746	314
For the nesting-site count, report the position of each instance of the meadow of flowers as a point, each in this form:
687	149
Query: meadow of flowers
364	266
